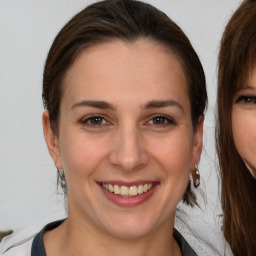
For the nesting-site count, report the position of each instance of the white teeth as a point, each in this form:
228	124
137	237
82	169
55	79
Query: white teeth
140	189
127	191
116	189
133	191
124	191
110	188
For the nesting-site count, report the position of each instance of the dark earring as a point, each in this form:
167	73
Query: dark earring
62	180
61	174
196	177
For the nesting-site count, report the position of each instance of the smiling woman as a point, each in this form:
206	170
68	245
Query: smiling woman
145	144
124	95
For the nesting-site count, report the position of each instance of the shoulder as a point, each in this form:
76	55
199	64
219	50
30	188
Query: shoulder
33	244
19	239
22	248
202	233
20	242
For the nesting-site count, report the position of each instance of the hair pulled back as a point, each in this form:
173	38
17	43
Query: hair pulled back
128	21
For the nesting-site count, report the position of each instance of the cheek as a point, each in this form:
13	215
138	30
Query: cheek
174	154
238	131
81	155
244	132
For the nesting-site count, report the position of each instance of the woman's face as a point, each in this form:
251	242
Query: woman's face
244	123
125	139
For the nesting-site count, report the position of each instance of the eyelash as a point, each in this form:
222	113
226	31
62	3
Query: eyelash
88	121
166	121
246	99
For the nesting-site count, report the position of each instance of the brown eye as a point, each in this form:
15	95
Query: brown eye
94	121
246	99
159	120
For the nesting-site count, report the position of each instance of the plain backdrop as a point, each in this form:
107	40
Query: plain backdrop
28	191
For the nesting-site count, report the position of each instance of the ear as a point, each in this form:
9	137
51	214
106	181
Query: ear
51	140
197	142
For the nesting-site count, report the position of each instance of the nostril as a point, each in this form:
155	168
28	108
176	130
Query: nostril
129	162
129	152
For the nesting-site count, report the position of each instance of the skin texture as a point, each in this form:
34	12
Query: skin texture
129	145
244	123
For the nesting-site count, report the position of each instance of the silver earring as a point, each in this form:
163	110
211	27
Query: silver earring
61	174
196	177
62	180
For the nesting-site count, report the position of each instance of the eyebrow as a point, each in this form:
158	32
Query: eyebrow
163	103
105	105
95	104
247	87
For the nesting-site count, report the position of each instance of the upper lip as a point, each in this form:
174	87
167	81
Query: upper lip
128	184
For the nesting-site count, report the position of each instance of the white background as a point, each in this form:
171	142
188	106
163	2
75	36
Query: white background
27	28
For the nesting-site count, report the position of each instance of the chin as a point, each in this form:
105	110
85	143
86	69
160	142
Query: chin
129	228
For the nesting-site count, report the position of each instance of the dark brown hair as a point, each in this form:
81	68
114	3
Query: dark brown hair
237	58
128	21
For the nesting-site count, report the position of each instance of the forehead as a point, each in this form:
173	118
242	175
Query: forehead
140	66
247	79
252	76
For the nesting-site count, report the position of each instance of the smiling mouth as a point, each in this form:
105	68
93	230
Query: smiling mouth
127	191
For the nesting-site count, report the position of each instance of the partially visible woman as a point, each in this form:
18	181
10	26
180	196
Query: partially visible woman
236	129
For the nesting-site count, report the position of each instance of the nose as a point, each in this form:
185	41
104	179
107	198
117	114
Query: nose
129	150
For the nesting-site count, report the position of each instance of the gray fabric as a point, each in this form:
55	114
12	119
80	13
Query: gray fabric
201	231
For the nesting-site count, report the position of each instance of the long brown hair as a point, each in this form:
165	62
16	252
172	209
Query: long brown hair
237	58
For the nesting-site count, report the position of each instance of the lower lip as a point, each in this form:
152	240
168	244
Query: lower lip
129	201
